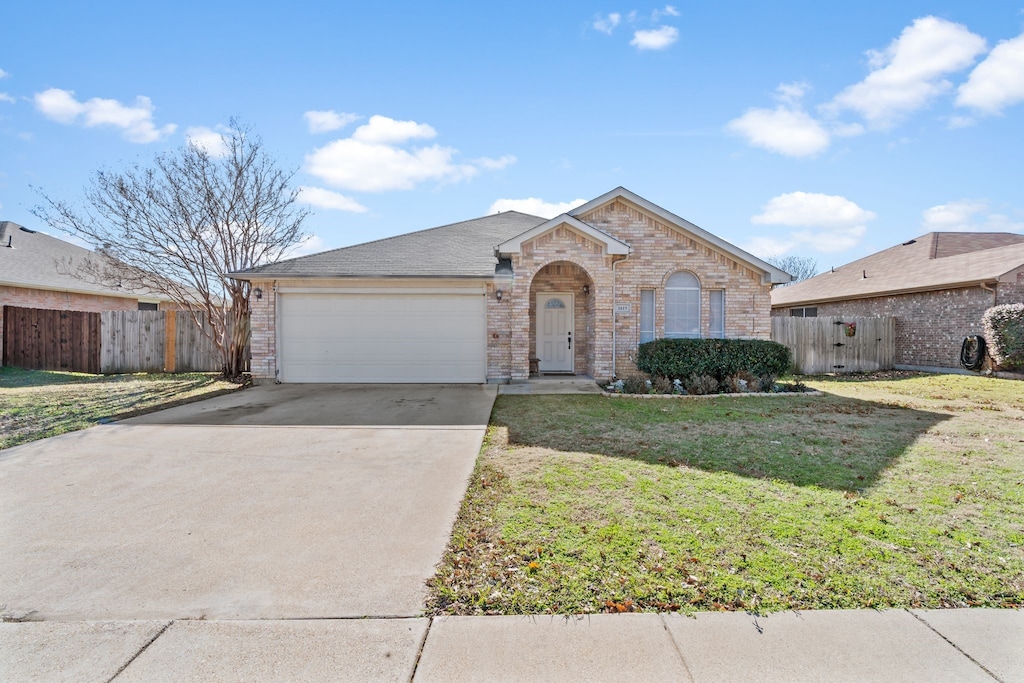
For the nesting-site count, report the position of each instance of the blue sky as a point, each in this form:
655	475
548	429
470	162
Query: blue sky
819	129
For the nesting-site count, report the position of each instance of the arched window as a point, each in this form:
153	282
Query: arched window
682	305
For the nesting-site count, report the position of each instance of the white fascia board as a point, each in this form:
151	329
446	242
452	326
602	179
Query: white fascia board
611	245
776	276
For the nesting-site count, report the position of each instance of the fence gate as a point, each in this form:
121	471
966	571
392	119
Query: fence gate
837	344
45	339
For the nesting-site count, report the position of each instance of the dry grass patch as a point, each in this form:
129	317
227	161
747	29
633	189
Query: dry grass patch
883	493
36	404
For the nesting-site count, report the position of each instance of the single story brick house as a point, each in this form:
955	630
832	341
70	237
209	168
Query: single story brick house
486	299
37	271
937	286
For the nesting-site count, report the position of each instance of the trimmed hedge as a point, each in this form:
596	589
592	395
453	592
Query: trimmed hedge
1004	332
719	358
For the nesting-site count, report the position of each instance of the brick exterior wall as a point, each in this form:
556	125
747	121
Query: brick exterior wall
930	326
263	323
25	297
564	260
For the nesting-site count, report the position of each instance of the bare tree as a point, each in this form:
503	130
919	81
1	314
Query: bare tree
179	226
800	267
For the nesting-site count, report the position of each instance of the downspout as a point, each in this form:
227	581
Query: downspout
614	314
990	289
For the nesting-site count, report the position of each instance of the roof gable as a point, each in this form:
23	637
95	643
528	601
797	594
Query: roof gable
776	275
611	245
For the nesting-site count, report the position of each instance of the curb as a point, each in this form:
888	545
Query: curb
750	393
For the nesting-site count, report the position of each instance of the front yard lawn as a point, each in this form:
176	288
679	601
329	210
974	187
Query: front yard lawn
899	491
35	404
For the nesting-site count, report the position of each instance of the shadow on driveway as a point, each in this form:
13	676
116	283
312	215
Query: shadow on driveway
337	405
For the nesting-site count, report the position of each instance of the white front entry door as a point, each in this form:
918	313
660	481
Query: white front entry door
555	332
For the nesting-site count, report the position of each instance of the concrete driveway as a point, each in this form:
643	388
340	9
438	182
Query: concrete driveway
279	502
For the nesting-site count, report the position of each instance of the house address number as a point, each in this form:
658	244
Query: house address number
624	308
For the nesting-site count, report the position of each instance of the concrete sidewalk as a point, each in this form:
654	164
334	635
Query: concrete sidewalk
864	645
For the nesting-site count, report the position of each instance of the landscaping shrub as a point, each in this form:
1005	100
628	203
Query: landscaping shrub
635	384
1004	333
717	358
701	384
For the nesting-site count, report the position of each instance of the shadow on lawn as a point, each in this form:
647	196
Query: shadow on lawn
827	441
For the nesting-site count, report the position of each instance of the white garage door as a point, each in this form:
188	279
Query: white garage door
383	337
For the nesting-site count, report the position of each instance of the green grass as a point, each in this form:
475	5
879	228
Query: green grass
895	492
35	404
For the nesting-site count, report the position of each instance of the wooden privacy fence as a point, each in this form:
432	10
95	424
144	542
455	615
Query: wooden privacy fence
835	344
41	339
110	342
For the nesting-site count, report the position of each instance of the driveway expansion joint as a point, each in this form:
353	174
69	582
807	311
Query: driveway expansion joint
141	650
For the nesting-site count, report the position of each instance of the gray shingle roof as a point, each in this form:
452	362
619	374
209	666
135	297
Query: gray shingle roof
464	249
937	260
37	260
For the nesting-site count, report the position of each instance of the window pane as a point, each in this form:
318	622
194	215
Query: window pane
646	315
682	313
811	312
683	279
717	313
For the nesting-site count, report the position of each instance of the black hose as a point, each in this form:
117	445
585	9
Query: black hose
972	352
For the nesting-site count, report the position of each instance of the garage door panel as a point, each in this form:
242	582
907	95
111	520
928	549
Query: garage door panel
383	338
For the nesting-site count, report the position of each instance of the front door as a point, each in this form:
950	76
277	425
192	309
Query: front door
555	332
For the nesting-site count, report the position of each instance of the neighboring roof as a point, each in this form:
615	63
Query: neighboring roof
611	244
463	249
937	260
38	261
778	276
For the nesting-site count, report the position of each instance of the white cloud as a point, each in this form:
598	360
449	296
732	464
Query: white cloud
997	82
831	223
208	139
381	130
313	244
667	11
960	122
495	164
967	215
910	72
135	121
535	206
326	121
608	23
4	97
655	39
326	199
373	159
4	74
792	93
786	129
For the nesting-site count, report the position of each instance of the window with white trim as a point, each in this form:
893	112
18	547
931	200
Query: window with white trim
682	305
717	321
646	315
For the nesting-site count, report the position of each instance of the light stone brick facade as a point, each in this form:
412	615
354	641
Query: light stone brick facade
565	260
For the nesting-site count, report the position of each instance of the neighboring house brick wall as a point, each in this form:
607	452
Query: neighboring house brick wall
25	297
930	326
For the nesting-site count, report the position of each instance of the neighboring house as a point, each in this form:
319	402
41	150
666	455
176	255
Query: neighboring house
37	271
936	286
486	299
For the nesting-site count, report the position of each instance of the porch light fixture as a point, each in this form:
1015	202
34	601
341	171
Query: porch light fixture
498	294
258	292
586	290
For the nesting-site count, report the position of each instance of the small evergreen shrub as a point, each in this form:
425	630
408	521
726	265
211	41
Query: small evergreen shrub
1004	333
717	358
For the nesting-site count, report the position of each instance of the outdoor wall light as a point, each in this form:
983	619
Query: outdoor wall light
498	294
258	292
586	290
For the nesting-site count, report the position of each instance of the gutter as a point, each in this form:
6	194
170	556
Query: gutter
890	292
